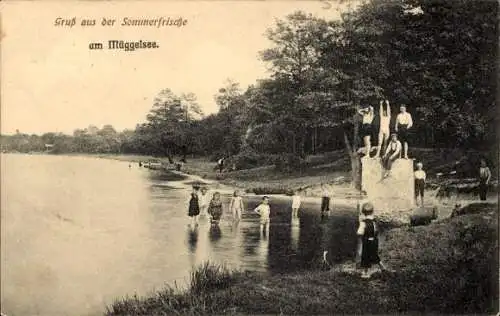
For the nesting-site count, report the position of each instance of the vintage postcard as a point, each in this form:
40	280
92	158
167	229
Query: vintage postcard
249	157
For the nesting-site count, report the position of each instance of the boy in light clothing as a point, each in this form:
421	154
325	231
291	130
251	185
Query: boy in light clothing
295	204
420	183
264	210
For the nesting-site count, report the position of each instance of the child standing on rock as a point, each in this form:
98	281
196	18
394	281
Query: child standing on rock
368	235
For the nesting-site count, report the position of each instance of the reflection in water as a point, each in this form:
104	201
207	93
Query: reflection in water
192	239
294	233
130	229
215	233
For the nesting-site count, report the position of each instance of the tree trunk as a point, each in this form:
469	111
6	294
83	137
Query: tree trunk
355	163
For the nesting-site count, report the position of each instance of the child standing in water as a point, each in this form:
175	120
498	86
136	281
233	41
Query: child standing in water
194	207
215	208
419	183
204	200
295	204
325	200
264	211
368	235
236	206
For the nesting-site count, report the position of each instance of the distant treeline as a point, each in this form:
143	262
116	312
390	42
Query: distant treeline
438	57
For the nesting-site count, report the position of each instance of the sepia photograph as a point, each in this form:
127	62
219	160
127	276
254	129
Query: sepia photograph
235	157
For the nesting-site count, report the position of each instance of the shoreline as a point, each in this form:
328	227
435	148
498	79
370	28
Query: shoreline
436	275
281	184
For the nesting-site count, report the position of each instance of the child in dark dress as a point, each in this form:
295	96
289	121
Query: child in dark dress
368	233
194	207
215	208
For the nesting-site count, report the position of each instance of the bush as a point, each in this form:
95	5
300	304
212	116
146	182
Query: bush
288	163
248	159
278	189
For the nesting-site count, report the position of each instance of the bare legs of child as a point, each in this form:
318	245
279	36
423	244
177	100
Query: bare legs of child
383	139
236	216
264	227
194	221
366	140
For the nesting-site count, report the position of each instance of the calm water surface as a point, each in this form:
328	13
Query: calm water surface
77	233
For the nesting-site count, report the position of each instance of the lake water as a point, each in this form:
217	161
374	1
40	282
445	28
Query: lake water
77	233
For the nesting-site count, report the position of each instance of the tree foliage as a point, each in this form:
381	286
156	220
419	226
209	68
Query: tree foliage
438	57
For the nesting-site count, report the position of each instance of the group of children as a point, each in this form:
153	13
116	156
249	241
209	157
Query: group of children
398	143
201	204
367	231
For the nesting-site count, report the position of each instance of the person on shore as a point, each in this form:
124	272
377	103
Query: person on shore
368	238
215	209
236	206
484	180
325	200
420	177
384	131
220	164
404	122
392	153
264	210
296	201
194	207
367	114
204	199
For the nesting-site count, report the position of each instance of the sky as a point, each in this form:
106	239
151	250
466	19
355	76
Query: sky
52	82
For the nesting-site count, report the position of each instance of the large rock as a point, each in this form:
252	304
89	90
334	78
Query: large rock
392	194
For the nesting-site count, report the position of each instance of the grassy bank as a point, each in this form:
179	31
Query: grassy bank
331	167
334	167
450	266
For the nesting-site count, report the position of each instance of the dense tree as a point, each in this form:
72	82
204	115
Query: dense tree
438	57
